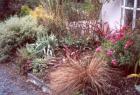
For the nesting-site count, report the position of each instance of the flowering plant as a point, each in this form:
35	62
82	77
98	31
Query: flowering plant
121	48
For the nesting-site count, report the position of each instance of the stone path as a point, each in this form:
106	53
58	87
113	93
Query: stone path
11	83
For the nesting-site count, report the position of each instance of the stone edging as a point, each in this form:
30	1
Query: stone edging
39	83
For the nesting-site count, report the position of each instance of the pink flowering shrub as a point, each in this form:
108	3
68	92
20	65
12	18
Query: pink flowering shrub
121	48
121	45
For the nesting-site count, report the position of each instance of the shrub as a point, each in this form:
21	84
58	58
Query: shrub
86	76
121	48
16	32
47	18
40	14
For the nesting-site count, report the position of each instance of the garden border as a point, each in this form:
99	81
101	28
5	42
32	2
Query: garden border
39	83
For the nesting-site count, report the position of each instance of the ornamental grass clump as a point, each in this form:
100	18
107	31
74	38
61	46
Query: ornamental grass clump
87	77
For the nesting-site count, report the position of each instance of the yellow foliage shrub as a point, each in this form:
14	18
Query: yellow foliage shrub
40	13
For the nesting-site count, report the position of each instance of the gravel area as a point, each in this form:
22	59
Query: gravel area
11	83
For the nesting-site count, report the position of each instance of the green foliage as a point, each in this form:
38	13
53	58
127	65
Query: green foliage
23	60
38	65
27	59
39	53
131	55
23	52
122	55
25	10
42	49
16	32
69	40
44	45
87	6
107	44
125	51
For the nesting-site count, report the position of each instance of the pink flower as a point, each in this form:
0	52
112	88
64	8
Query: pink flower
109	53
116	35
114	61
120	36
128	44
98	49
113	40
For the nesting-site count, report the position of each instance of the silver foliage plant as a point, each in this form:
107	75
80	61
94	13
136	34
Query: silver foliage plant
43	47
17	31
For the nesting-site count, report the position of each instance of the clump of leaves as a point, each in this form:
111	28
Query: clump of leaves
86	77
28	61
69	39
41	53
43	46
